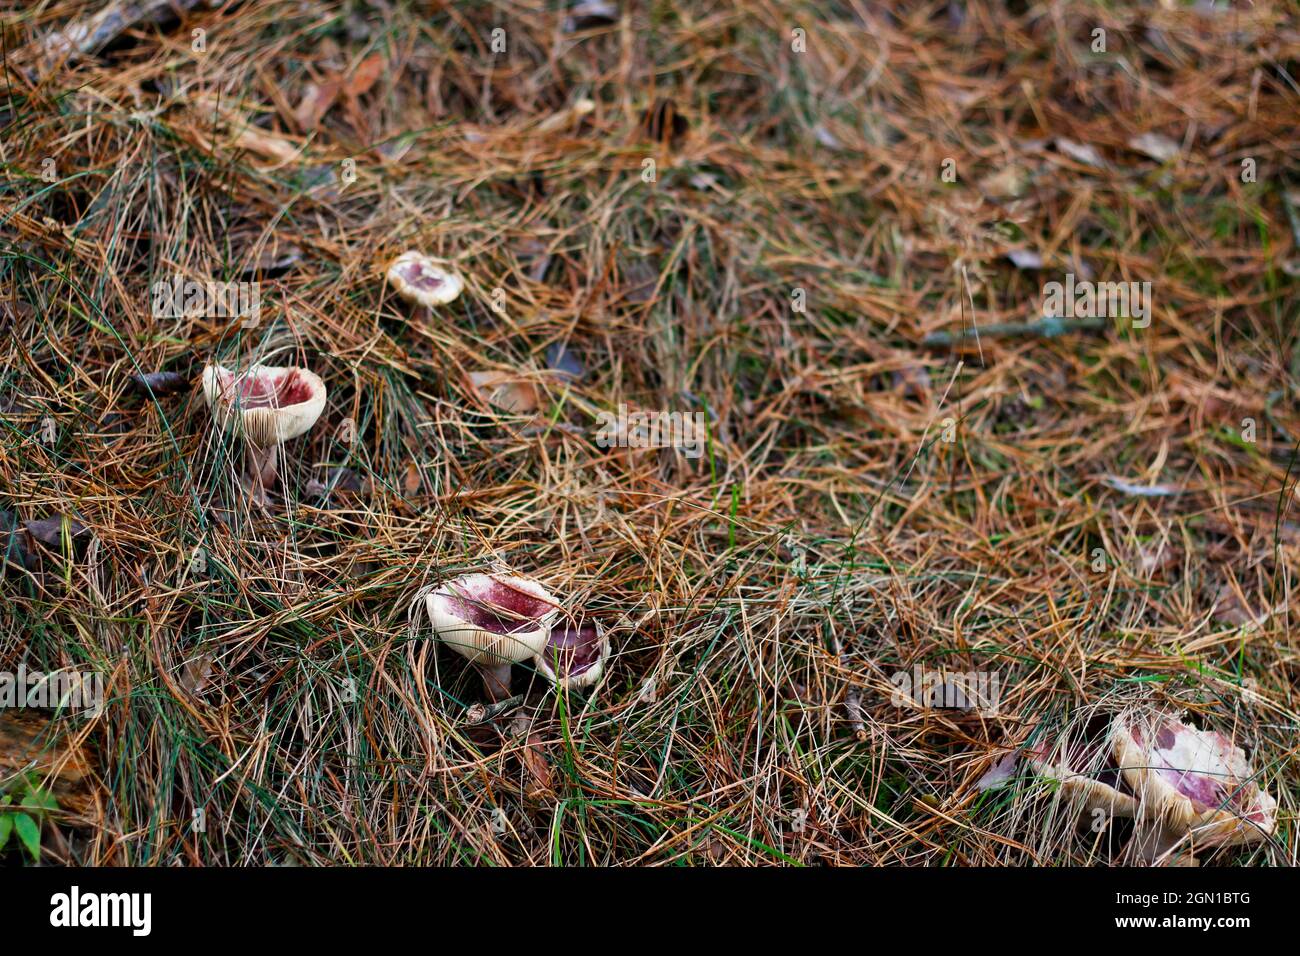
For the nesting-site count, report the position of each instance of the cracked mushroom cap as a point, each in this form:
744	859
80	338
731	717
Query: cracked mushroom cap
1194	781
270	404
422	280
491	618
574	655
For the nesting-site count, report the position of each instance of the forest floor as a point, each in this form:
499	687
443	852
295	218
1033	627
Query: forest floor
829	234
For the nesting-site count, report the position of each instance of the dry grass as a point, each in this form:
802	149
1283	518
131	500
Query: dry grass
760	597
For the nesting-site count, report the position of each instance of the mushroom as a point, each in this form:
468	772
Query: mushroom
1087	771
421	280
1176	781
493	620
1194	783
574	655
268	406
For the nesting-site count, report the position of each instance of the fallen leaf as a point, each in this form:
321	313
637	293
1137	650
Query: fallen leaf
273	258
566	118
365	76
13	545
1229	609
50	530
19	543
411	480
14	310
159	383
29	742
1156	557
561	359
717	849
100	29
266	144
537	271
194	676
1155	145
1080	152
1002	770
209	111
539	771
1142	491
394	149
640	279
506	391
1026	259
1011	182
316	102
826	138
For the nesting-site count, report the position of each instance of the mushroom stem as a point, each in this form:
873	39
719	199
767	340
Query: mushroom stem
261	469
496	680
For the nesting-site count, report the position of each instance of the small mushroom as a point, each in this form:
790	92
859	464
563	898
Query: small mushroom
268	406
493	620
574	655
422	280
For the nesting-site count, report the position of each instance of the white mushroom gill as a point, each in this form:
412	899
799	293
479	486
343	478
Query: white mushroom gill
574	655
